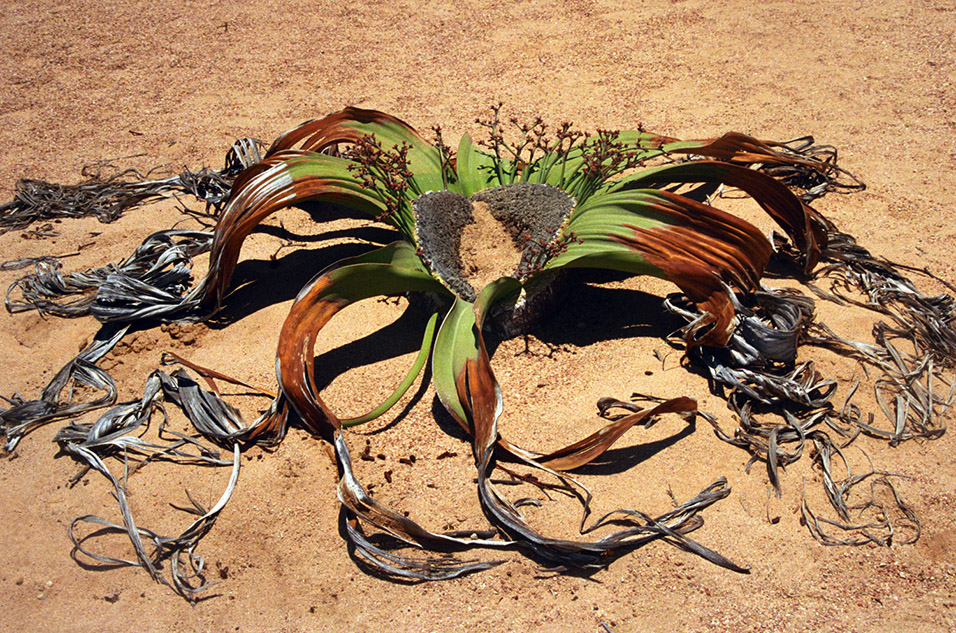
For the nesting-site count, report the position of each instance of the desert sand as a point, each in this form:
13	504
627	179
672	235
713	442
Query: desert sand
142	84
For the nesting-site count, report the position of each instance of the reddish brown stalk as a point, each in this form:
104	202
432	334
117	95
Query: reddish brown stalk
590	448
295	362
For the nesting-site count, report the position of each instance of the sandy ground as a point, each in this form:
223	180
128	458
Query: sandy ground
147	83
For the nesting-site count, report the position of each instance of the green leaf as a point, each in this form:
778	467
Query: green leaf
475	167
350	124
459	345
703	250
566	172
601	223
494	292
424	160
455	344
773	197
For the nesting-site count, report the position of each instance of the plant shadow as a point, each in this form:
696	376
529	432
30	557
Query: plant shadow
400	337
259	283
590	314
593	313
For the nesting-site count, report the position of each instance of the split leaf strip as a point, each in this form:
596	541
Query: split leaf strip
893	521
185	564
117	433
590	448
153	282
758	366
208	375
361	506
120	429
25	416
742	149
915	390
108	198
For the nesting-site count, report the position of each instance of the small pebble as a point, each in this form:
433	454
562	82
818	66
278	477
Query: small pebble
40	596
49	583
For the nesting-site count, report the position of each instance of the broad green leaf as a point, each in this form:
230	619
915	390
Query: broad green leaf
455	344
350	124
606	224
423	157
601	223
459	344
778	201
475	167
494	292
703	250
